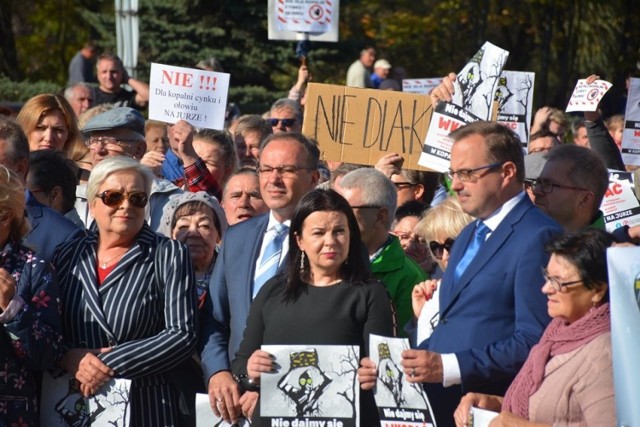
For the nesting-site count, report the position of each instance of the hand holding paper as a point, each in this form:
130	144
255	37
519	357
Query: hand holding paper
367	374
477	400
587	94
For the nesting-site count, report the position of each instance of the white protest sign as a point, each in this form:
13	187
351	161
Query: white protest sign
481	417
515	102
62	403
624	292
420	86
196	96
307	16
436	151
586	97
477	81
399	402
631	132
620	206
316	20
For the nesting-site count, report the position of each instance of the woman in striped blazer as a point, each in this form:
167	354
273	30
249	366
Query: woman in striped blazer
128	297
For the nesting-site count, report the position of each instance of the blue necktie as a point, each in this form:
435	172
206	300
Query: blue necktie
479	237
270	260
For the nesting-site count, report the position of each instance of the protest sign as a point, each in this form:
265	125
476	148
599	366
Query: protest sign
361	125
624	294
436	153
476	83
206	418
399	401
515	102
586	97
196	96
631	132
62	403
481	417
312	385
316	20
620	206
420	86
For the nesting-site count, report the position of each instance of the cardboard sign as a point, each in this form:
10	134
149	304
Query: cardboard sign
361	125
308	16
476	83
313	386
304	10
436	153
515	102
196	96
586	97
624	290
399	402
420	86
631	132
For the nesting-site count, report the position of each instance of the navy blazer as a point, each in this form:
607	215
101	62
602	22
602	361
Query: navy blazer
230	295
492	316
48	228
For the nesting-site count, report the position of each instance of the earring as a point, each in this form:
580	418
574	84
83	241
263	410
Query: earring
301	263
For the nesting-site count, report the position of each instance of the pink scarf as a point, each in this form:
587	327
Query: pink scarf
558	338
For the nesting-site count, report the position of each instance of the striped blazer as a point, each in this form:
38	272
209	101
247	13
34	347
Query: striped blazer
145	310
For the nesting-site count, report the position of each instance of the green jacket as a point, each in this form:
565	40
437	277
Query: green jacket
399	273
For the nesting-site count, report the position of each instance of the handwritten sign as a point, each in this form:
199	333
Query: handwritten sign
515	100
308	16
447	117
361	125
586	97
420	86
196	96
631	132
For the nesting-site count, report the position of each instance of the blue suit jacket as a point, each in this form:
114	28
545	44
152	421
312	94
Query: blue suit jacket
230	294
48	228
492	316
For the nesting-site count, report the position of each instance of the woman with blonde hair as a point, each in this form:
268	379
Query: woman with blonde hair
50	124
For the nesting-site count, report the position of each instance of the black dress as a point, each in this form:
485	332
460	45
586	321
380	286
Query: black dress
340	314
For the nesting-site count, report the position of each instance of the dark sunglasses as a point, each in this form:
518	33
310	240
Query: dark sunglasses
113	198
438	248
285	122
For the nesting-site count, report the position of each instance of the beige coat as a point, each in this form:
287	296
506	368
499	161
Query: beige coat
577	389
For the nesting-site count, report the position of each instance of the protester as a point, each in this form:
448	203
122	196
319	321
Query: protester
381	70
217	150
50	124
249	133
113	326
326	296
81	65
155	135
198	221
541	141
80	96
359	74
568	376
285	115
253	251
241	198
551	119
615	126
30	340
414	246
298	91
111	76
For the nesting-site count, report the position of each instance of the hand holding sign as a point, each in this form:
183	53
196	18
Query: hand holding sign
587	94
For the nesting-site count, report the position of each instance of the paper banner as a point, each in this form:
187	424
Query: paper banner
586	97
420	86
515	102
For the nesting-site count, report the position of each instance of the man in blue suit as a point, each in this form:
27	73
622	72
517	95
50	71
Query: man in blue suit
287	170
48	228
491	308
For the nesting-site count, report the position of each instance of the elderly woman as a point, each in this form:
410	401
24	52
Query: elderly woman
198	221
50	124
568	376
30	338
129	301
326	297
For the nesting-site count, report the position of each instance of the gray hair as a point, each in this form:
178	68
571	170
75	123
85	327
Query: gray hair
377	189
290	104
15	138
68	92
114	164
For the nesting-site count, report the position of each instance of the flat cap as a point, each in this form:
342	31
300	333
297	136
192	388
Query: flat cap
533	165
116	118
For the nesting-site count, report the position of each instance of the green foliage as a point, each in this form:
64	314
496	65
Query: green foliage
21	91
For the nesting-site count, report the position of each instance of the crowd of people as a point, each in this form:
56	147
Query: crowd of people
168	255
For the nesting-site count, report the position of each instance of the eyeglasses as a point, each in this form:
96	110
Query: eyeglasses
286	171
556	284
403	185
285	122
466	175
366	207
114	198
409	238
438	248
544	186
109	142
